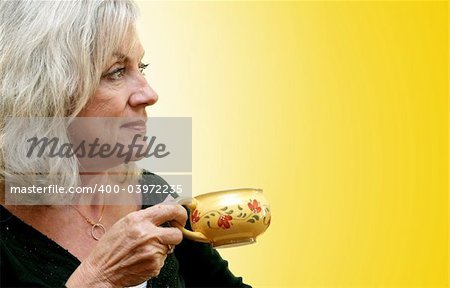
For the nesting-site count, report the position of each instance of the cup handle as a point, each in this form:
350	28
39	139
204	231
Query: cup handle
191	203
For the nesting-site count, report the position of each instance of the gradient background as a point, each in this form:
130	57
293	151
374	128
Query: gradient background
338	110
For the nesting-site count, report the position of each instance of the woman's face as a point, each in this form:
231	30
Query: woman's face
118	105
123	89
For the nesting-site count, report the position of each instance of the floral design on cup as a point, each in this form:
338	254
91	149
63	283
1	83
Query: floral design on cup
254	206
224	221
195	216
235	213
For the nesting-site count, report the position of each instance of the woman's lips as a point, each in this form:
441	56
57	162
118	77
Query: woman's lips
137	126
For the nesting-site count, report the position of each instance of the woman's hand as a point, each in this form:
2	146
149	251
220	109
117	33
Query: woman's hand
132	251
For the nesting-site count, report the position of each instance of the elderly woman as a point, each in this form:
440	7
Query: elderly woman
75	60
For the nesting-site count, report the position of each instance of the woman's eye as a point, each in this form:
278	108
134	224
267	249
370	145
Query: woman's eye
116	74
142	67
120	72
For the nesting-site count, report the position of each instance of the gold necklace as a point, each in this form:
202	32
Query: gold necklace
95	225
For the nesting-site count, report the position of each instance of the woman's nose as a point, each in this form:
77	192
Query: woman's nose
143	96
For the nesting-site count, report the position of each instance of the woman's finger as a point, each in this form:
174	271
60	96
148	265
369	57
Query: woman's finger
169	235
160	214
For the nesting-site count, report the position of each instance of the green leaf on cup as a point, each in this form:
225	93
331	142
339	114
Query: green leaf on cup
209	224
256	217
224	208
229	212
239	207
251	220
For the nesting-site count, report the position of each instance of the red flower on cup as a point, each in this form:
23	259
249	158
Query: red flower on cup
254	206
224	221
195	216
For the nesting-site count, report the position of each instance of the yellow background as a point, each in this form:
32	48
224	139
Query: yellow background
338	110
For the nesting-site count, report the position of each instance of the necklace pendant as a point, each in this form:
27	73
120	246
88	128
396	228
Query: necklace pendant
97	231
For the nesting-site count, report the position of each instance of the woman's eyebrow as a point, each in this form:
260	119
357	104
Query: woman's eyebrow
120	57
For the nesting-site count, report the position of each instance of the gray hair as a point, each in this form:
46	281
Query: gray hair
52	55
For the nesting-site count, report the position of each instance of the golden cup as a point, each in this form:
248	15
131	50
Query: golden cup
227	218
